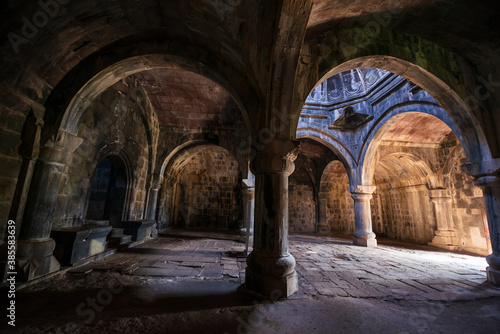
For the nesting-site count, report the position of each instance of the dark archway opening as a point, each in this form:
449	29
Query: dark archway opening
108	192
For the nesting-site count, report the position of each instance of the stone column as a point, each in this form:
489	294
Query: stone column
271	268
487	177
29	150
324	227
153	200
248	212
445	236
491	193
34	248
151	207
363	236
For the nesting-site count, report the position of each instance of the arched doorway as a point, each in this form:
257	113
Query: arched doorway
422	195
108	191
202	190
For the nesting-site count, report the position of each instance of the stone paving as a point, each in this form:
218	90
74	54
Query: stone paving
335	267
177	258
325	266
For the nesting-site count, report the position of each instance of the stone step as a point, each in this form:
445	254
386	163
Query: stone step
115	242
116	232
131	244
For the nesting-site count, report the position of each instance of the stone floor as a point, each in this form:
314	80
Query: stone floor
192	282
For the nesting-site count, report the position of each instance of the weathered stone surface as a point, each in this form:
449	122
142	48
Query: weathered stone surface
76	243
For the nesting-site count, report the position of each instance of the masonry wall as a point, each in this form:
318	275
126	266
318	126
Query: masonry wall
114	125
302	201
339	204
402	207
468	208
301	204
403	213
207	192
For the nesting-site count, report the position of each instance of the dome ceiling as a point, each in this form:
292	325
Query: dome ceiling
347	85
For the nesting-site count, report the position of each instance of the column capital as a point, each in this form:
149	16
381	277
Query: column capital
276	157
440	195
482	168
248	183
59	148
487	181
362	190
155	182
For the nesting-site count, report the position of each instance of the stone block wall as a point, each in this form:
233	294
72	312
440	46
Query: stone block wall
403	213
340	208
468	208
207	192
302	202
402	207
339	204
301	208
115	125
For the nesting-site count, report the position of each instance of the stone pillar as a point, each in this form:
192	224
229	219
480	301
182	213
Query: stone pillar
29	150
34	248
491	193
445	236
324	227
152	201
271	268
487	177
151	207
248	212
363	236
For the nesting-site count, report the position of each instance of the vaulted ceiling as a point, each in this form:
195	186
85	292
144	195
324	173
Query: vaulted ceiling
417	128
182	98
457	24
235	30
234	38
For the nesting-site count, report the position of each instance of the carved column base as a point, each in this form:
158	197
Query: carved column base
493	275
446	239
34	259
271	277
370	243
324	230
493	271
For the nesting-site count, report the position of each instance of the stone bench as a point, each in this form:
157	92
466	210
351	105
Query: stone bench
76	243
139	229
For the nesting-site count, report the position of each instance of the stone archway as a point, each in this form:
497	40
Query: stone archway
474	140
201	189
70	120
